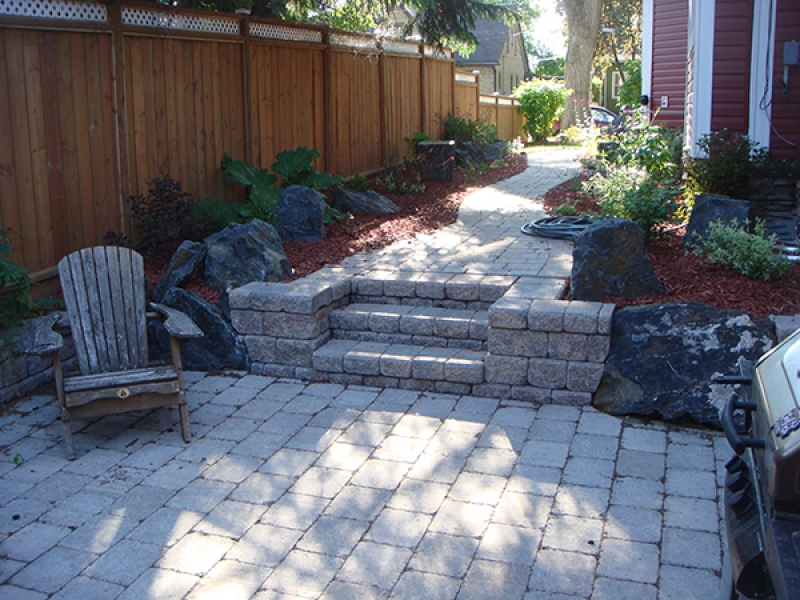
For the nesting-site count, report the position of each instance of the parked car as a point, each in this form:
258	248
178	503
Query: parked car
602	117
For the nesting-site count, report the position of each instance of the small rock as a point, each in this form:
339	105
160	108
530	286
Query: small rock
712	208
186	259
356	202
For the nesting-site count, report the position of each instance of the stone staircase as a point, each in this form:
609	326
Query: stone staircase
495	336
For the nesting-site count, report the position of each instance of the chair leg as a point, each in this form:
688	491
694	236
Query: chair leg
183	411
67	427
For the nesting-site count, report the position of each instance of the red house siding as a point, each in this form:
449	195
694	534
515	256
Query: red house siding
733	24
670	41
786	109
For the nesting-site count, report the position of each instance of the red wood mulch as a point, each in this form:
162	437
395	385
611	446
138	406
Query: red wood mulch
688	277
432	209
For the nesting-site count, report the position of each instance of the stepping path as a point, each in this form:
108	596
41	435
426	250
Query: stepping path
322	490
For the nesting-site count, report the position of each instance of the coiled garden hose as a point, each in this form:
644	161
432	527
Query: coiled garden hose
556	227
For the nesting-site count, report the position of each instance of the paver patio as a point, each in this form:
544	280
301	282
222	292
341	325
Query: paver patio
298	490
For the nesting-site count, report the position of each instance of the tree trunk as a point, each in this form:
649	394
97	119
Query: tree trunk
583	23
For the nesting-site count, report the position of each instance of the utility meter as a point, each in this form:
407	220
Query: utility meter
791	54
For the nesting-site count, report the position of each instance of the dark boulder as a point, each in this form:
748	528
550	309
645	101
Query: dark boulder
357	202
300	213
712	208
469	153
218	349
664	358
240	254
609	260
494	151
186	259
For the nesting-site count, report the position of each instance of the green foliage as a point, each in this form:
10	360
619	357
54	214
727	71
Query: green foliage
162	214
462	130
296	167
331	215
541	102
631	89
725	168
16	302
412	141
565	210
632	194
649	146
262	196
359	183
572	136
551	67
752	254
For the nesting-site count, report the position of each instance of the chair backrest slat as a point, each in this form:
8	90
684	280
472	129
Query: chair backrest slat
104	293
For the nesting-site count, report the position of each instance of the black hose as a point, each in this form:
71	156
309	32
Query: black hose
556	227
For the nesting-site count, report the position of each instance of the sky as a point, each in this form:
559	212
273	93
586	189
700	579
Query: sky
549	28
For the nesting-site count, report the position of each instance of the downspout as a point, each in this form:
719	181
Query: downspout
647	51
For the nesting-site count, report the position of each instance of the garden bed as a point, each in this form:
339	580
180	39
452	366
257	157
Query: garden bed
688	277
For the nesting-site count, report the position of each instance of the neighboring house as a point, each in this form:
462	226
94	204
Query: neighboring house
709	65
500	57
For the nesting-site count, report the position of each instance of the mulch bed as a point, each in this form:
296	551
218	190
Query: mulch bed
688	277
422	212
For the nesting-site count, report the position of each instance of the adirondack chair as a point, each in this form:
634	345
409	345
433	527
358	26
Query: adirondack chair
104	293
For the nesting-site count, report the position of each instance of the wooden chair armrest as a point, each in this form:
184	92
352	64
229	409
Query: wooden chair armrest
177	323
38	337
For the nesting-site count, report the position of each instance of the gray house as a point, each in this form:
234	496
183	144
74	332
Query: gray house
500	57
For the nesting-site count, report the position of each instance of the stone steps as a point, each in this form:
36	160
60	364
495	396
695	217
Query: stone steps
412	325
451	370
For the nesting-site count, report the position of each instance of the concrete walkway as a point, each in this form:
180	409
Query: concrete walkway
295	490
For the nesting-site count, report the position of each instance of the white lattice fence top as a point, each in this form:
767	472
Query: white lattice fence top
398	47
47	9
141	17
279	32
466	77
358	42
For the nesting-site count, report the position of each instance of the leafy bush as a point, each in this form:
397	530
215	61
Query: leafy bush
631	89
551	67
572	136
752	254
462	130
358	183
652	147
412	141
541	102
725	166
262	196
16	302
161	216
632	194
295	167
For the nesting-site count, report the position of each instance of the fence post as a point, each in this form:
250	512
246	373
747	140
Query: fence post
118	49
247	76
327	96
382	109
422	104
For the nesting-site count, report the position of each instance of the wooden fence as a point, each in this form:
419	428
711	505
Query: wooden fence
96	100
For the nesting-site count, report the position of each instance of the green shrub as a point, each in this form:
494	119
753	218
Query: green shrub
632	194
462	130
358	183
565	210
542	103
412	141
752	254
161	216
653	147
16	302
631	89
725	165
296	167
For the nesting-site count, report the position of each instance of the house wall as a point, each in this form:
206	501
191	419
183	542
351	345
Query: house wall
785	113
670	26
730	88
512	62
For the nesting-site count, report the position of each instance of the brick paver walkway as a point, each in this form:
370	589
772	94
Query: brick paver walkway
296	490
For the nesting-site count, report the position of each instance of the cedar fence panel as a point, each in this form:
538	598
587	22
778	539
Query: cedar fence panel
97	100
502	111
467	95
401	80
59	186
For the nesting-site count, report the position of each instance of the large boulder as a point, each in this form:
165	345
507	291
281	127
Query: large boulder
609	260
357	202
664	358
183	263
469	153
709	208
218	349
494	151
240	254
300	213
